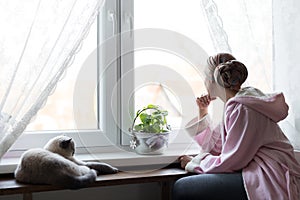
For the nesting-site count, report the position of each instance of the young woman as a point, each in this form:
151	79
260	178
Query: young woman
247	156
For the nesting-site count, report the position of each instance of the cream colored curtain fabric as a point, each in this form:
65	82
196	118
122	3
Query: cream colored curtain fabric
38	41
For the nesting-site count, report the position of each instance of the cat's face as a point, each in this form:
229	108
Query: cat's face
62	145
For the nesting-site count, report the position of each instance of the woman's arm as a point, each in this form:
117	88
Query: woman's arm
200	129
242	141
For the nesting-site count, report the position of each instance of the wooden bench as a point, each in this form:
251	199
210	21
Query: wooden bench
165	177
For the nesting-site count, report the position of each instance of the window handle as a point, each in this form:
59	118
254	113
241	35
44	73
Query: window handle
112	17
129	20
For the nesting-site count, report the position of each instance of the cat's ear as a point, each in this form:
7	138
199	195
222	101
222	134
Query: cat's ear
65	143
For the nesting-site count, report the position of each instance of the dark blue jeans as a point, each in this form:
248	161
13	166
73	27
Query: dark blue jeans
210	187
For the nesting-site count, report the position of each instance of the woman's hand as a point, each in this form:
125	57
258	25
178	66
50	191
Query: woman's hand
203	103
184	160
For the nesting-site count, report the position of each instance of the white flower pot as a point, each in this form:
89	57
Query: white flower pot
151	143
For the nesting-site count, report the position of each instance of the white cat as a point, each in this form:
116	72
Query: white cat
56	165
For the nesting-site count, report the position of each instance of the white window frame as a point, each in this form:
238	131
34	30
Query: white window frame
115	18
109	19
115	35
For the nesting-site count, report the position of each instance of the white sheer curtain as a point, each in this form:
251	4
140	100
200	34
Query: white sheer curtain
263	35
286	28
218	35
38	41
243	28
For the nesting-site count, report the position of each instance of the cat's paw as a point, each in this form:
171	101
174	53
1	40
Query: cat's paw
114	170
102	168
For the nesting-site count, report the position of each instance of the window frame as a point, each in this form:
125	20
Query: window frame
115	36
115	19
106	29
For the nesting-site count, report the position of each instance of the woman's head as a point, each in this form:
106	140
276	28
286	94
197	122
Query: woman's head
214	61
224	71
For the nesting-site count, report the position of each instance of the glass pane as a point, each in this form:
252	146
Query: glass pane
248	25
171	15
58	113
155	92
187	18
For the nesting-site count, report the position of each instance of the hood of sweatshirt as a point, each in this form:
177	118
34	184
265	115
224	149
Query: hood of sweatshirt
271	105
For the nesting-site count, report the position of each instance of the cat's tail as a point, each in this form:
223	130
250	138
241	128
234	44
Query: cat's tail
77	182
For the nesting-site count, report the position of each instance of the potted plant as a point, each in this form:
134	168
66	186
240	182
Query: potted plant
151	135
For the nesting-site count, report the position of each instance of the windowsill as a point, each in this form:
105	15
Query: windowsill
122	159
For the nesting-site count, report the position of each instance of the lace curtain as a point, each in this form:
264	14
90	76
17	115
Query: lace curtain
215	26
38	41
286	29
243	28
262	35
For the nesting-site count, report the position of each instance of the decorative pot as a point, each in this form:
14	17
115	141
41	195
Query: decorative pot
150	143
152	135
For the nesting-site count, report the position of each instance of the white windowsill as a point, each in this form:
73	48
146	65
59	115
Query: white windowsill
120	158
124	159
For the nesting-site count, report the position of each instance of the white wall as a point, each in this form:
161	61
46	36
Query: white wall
286	44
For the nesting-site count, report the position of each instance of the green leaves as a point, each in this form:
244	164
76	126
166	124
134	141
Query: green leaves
145	118
152	122
150	106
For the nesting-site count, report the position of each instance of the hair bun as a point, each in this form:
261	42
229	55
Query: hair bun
231	74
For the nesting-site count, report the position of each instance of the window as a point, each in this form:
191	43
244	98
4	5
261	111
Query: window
116	91
58	113
188	23
81	104
249	30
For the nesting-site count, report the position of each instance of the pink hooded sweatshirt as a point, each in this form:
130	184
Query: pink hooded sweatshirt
250	140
